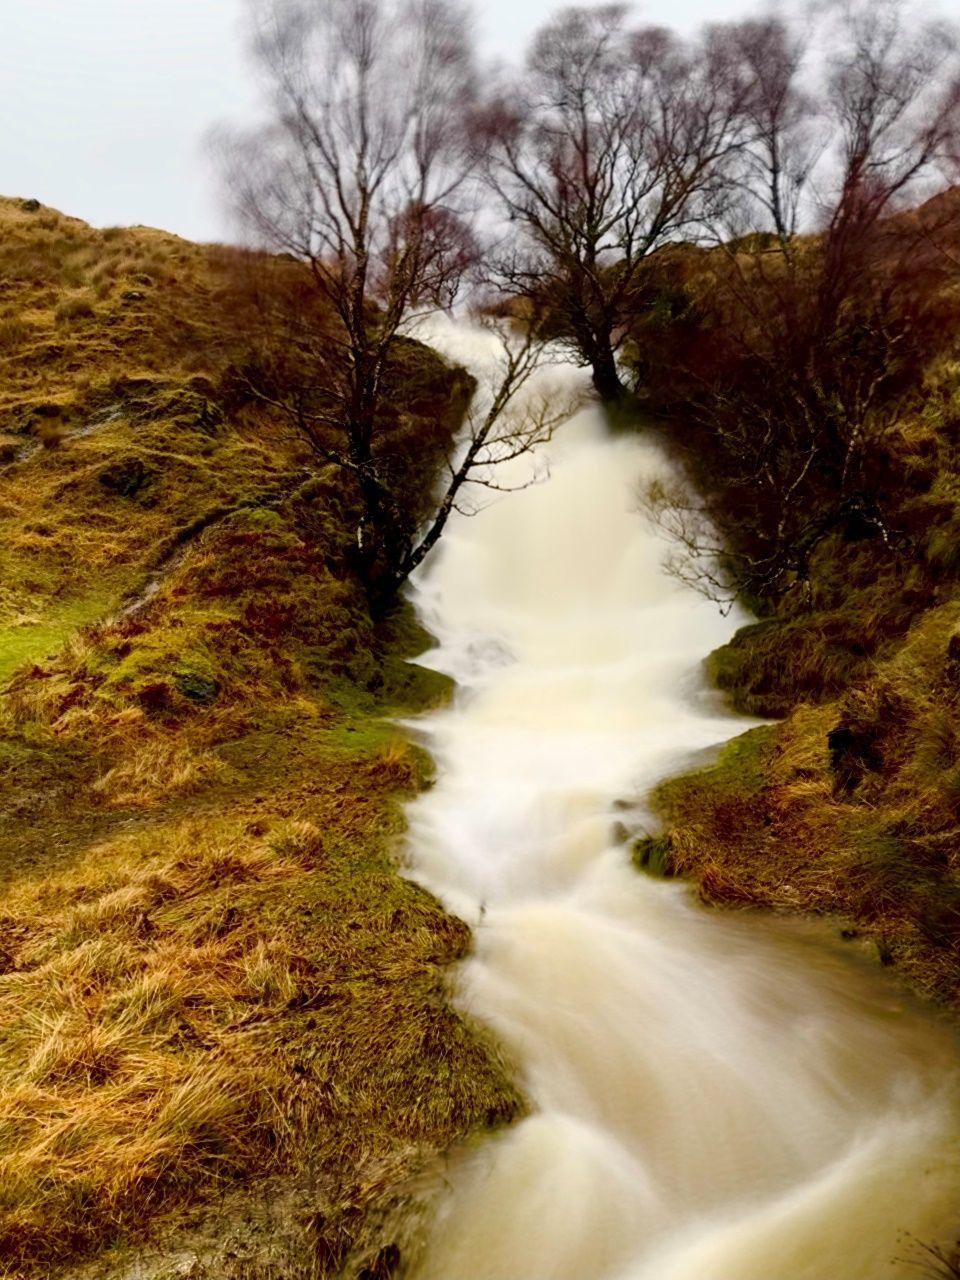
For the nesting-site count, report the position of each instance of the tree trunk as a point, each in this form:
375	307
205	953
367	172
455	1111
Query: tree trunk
596	348
606	379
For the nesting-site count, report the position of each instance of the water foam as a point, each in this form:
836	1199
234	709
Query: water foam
716	1097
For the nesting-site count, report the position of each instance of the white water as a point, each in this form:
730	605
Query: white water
716	1097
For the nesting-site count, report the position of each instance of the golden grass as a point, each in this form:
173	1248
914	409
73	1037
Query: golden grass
113	347
217	997
112	1085
872	838
210	971
159	770
868	653
230	992
76	306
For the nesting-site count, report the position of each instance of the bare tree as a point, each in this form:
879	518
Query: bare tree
893	90
814	342
787	466
509	416
608	147
362	175
782	141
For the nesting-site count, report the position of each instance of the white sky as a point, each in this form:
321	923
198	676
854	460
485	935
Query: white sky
108	101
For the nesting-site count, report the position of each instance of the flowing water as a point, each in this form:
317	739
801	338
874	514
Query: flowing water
714	1096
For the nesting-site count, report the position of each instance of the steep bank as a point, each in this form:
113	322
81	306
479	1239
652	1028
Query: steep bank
849	806
845	809
223	1025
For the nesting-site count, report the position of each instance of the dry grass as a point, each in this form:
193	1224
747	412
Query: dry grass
121	388
243	986
13	332
851	806
77	306
210	970
210	999
157	770
870	834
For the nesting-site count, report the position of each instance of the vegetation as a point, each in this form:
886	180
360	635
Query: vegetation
608	146
212	978
362	175
808	384
813	384
850	805
217	467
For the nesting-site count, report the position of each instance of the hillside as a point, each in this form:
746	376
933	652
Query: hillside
850	806
224	1029
213	981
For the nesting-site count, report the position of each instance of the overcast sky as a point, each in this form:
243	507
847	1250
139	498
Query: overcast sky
109	100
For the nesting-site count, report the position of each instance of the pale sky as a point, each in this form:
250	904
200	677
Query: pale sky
108	101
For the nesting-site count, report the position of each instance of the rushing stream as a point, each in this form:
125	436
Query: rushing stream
714	1096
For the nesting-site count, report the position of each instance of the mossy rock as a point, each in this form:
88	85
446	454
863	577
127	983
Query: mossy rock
200	689
192	409
266	518
653	855
771	665
739	771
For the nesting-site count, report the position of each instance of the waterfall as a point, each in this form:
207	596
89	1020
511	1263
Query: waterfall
714	1096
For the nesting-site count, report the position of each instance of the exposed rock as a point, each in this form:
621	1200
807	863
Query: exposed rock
194	409
198	688
48	409
126	477
151	399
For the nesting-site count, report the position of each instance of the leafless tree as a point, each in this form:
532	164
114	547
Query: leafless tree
783	483
814	340
608	146
362	174
893	90
783	139
509	417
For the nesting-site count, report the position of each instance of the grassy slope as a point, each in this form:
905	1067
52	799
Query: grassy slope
211	973
871	831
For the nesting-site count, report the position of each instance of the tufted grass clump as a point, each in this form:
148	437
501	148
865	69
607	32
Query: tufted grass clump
217	998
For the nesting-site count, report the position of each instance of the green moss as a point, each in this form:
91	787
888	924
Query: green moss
739	769
770	666
653	855
266	518
243	714
197	687
34	641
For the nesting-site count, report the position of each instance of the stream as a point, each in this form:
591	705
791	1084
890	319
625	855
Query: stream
714	1096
